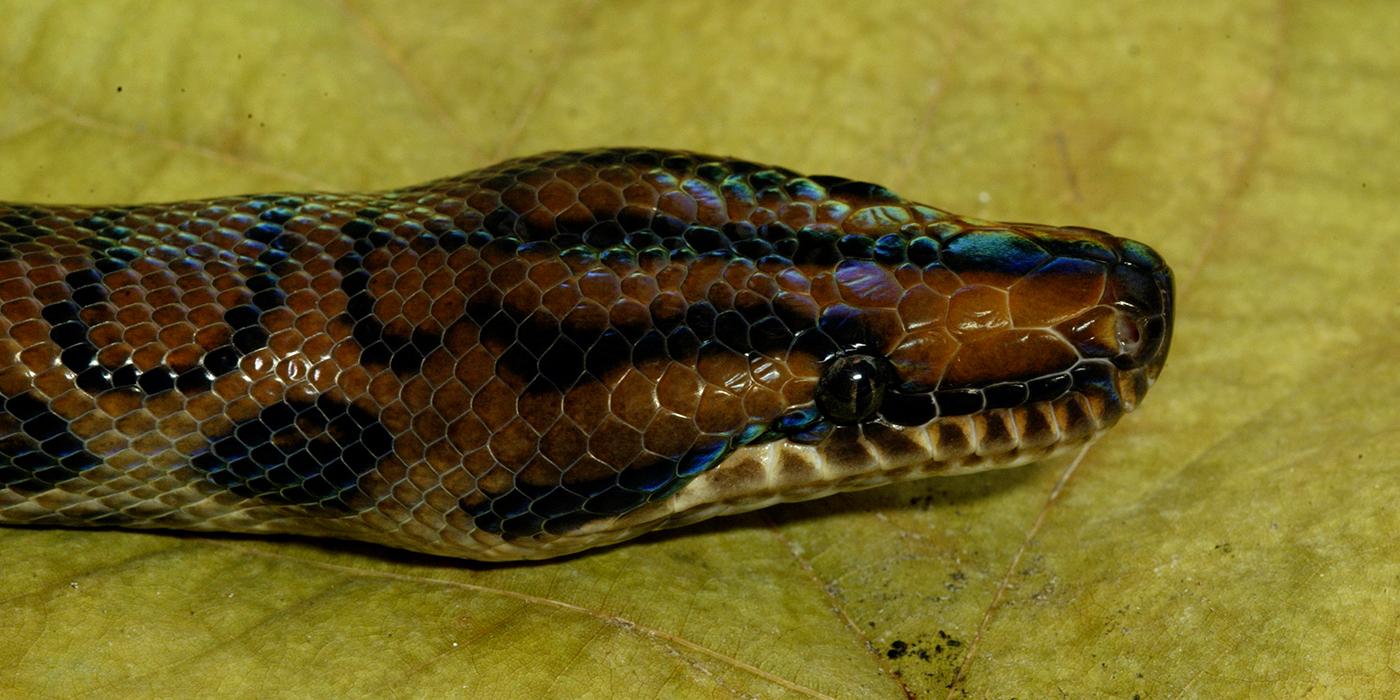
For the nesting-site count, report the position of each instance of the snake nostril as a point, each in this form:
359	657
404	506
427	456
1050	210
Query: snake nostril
1139	340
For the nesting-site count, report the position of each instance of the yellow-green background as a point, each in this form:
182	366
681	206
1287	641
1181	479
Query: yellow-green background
1236	537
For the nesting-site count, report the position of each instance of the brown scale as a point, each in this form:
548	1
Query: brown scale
545	355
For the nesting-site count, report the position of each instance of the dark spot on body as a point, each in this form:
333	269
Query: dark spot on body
37	450
304	454
557	508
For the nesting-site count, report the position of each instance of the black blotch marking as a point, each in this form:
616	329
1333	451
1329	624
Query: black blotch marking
794	314
856	247
357	228
528	509
864	192
816	344
604	235
740	231
278	214
299	453
755	249
404	354
68	330
923	251
571	351
770	334
703	239
539	345
845	325
712	173
665	226
17	227
890	249
610	156
682	344
88	288
1078	248
678	163
501	222
815	247
18	217
700	318
37	451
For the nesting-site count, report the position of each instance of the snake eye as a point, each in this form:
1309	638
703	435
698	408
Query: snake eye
852	388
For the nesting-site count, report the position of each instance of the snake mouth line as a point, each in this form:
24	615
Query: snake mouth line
870	455
866	456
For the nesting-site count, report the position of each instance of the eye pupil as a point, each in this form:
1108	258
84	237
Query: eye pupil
852	388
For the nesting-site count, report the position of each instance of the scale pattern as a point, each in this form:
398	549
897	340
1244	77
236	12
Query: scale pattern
546	355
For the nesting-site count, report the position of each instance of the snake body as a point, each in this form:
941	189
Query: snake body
545	355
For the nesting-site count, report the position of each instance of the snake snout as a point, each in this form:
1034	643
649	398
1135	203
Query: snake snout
1144	289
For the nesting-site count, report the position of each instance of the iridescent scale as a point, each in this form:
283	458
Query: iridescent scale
549	354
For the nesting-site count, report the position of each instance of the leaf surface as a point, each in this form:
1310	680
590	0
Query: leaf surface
1235	537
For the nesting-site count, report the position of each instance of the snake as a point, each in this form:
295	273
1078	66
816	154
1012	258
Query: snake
546	355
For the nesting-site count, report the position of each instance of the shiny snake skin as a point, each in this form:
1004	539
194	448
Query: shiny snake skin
546	355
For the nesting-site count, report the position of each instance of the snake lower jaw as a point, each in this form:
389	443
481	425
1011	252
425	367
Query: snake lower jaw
855	458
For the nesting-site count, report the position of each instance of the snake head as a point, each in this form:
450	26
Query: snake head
965	346
997	323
